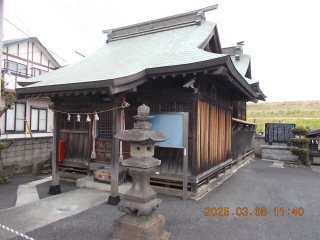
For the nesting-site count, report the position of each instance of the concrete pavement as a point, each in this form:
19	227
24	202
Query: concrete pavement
28	217
261	184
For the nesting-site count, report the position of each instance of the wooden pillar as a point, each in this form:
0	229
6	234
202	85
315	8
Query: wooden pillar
114	198
55	186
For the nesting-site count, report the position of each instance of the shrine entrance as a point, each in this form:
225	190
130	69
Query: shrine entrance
78	140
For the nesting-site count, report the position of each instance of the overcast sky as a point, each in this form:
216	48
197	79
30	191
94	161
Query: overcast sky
281	36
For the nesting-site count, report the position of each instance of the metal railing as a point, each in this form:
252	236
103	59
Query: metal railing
15	68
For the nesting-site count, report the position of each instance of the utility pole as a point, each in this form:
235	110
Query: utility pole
1	38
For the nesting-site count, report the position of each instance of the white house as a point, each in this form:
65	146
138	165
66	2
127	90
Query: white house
25	58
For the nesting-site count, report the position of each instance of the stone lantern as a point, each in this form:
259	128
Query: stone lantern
140	202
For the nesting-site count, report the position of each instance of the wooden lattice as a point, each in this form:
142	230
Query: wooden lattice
129	113
105	126
313	147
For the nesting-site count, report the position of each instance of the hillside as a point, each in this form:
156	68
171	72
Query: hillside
305	113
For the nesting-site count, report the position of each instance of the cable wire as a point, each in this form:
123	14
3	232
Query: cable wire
74	24
100	14
35	40
114	12
79	20
18	17
92	19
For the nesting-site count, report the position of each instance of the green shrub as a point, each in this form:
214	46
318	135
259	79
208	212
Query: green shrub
300	152
299	142
5	177
300	131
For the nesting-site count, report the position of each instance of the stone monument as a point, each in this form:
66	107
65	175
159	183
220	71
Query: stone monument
140	202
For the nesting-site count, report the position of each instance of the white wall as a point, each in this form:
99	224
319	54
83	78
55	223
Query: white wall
37	55
30	102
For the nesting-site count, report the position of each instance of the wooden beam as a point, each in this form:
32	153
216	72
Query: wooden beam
28	61
114	198
55	186
221	71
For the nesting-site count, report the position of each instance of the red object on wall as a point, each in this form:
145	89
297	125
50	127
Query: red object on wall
61	150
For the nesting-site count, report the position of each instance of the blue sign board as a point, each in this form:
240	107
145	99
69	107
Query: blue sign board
171	125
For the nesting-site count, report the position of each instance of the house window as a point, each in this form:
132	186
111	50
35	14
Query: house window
15	68
15	118
38	119
37	72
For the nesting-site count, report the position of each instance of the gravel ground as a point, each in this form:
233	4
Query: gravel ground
255	186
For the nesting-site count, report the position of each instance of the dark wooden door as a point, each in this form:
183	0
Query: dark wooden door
77	137
77	145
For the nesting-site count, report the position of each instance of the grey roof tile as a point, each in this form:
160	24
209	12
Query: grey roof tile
132	55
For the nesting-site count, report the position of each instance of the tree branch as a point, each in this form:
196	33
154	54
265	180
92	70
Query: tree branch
3	146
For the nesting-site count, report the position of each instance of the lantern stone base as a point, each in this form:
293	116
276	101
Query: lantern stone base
141	209
145	162
141	191
132	227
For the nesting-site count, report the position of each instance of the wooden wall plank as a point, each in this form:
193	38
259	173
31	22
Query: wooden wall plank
195	170
209	137
75	146
81	156
70	147
204	127
214	136
198	151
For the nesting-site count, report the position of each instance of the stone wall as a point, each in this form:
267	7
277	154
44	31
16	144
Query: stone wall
281	153
25	153
260	140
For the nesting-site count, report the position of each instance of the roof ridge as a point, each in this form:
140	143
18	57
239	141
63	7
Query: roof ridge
196	17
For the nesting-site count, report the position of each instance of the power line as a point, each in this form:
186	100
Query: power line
114	12
92	19
74	24
79	20
35	40
100	13
18	17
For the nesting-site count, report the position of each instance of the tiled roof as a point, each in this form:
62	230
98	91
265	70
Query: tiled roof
132	55
242	64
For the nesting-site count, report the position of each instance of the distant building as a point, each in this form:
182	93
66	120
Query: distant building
25	58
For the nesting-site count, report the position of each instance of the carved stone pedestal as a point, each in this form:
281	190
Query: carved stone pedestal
139	203
132	227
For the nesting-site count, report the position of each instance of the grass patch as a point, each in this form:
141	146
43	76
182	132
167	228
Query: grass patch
301	113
